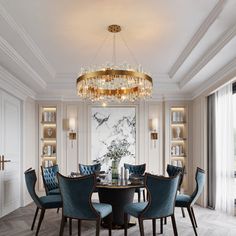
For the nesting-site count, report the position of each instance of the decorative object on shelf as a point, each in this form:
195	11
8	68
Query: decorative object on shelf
50	132
177	116
178	131
114	82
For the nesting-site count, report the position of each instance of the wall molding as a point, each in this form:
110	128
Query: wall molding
28	41
20	61
225	38
197	37
223	75
14	86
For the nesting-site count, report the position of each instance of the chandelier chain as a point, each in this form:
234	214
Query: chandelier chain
98	50
129	50
114	49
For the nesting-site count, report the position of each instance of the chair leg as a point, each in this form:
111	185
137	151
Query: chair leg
194	217
110	224
154	227
161	226
192	220
40	220
98	223
144	198
70	226
141	229
58	209
125	224
174	225
183	214
165	220
63	220
79	227
35	216
138	195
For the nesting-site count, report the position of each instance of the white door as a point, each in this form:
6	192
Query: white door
10	136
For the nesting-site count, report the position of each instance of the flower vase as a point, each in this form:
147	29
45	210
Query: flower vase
114	169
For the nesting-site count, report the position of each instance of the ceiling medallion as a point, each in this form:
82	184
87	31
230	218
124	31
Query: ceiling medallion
114	83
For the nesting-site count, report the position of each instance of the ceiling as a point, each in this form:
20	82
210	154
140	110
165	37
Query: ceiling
186	45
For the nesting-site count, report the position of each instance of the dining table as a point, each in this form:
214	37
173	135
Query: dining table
118	193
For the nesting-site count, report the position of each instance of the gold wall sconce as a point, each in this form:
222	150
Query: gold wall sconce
153	130
69	125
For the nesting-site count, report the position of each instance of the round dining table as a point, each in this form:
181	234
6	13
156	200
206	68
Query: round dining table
117	193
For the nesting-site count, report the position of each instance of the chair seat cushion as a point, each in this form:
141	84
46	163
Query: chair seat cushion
55	191
135	209
103	209
51	201
182	200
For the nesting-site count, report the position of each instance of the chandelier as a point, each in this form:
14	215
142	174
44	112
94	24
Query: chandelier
113	82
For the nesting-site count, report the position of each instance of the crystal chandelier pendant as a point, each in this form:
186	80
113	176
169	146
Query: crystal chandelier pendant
114	83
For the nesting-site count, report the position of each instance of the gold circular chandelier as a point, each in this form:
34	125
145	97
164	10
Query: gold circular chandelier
112	82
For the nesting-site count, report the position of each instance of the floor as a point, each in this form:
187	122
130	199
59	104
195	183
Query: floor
210	223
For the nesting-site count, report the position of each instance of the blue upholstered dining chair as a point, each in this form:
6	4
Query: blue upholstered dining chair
188	201
137	170
89	169
42	203
50	182
76	196
161	202
174	170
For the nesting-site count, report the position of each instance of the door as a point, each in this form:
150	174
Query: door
10	133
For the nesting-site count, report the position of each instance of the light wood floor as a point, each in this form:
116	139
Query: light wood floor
210	223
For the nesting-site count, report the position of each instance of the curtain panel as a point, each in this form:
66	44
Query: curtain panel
211	152
224	150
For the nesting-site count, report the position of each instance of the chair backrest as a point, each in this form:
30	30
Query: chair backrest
200	181
161	194
89	169
76	196
135	169
174	170
30	180
49	175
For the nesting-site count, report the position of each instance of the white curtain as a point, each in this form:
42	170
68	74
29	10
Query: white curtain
224	150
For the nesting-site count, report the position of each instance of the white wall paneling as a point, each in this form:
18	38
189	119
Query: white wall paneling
145	150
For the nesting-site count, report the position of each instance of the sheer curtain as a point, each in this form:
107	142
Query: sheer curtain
224	150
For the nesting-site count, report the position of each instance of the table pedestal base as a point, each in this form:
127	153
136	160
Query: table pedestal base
118	198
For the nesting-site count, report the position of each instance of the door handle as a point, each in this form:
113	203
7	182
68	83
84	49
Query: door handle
2	162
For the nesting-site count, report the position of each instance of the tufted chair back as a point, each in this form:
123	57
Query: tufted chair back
200	181
89	169
49	175
174	170
135	169
30	180
76	196
162	194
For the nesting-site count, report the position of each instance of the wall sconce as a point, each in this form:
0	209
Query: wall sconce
69	126
153	129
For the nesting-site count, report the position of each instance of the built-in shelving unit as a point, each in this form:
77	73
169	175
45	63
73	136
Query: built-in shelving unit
47	138
177	137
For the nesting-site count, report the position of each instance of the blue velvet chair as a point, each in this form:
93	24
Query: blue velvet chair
161	202
50	182
137	170
76	196
89	169
42	203
187	201
172	171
